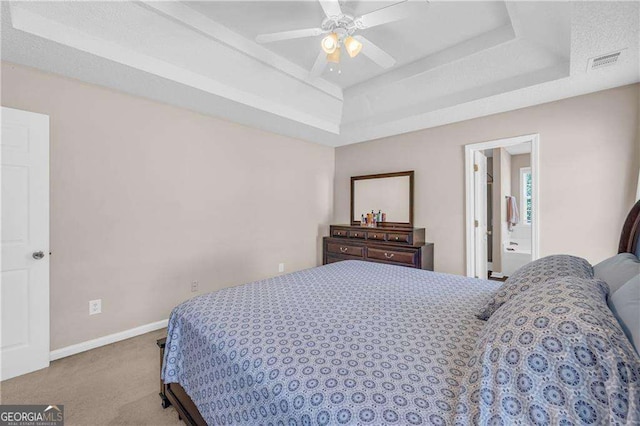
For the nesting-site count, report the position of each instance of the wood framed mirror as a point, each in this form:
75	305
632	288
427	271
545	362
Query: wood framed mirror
391	193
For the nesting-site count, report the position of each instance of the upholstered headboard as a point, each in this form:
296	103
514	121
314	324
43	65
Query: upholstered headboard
630	237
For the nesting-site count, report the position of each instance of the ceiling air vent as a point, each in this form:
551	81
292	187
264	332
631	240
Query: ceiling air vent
604	61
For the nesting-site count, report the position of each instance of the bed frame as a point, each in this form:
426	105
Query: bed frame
630	237
174	394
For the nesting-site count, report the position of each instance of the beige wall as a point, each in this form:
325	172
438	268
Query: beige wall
146	198
589	159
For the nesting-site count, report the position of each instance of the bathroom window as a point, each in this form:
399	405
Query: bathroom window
525	195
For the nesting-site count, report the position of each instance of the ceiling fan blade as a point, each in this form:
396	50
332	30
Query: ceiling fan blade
319	65
374	53
392	13
287	35
331	7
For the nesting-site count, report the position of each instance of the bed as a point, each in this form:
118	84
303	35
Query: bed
351	343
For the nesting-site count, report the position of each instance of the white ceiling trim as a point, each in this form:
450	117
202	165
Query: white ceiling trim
201	23
460	51
502	86
514	17
40	26
509	101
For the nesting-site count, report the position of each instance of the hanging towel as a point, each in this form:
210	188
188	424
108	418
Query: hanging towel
513	217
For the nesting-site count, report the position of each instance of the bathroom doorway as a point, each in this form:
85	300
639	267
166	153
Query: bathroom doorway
502	206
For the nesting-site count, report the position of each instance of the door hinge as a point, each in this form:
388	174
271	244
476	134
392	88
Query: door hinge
475	223
475	167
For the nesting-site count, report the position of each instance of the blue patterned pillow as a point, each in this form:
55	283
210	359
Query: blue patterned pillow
553	356
534	273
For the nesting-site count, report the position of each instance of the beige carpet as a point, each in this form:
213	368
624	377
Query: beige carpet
116	384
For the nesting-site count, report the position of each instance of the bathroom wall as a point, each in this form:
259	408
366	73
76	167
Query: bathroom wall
501	188
521	231
495	205
505	190
518	162
490	209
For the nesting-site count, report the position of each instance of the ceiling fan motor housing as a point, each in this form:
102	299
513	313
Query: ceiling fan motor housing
338	30
342	25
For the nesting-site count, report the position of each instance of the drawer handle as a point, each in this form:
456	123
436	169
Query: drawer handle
397	238
375	236
388	255
344	249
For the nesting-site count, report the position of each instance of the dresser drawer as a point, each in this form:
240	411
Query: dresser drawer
405	257
398	238
378	245
345	249
340	233
357	234
375	236
331	259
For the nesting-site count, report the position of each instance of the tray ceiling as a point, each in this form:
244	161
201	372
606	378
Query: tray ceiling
431	28
455	60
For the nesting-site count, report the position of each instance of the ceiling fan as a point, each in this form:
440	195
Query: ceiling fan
340	29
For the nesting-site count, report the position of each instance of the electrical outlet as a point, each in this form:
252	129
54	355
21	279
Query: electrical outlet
95	306
194	286
280	267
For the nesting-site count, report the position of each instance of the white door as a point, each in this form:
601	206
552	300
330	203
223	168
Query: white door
24	279
480	213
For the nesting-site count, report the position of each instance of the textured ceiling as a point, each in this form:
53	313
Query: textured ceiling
455	60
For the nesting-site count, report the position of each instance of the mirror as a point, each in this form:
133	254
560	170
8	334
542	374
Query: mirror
390	193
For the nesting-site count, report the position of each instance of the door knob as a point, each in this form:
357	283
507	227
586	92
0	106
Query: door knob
38	255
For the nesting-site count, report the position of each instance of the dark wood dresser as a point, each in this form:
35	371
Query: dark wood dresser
395	246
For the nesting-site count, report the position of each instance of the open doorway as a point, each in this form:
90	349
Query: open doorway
502	206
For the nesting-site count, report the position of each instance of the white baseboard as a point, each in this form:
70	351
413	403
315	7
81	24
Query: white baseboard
106	340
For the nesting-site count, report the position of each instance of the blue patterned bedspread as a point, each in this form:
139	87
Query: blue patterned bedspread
347	343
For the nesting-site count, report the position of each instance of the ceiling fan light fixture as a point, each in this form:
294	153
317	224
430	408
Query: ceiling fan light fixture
334	57
352	46
330	43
